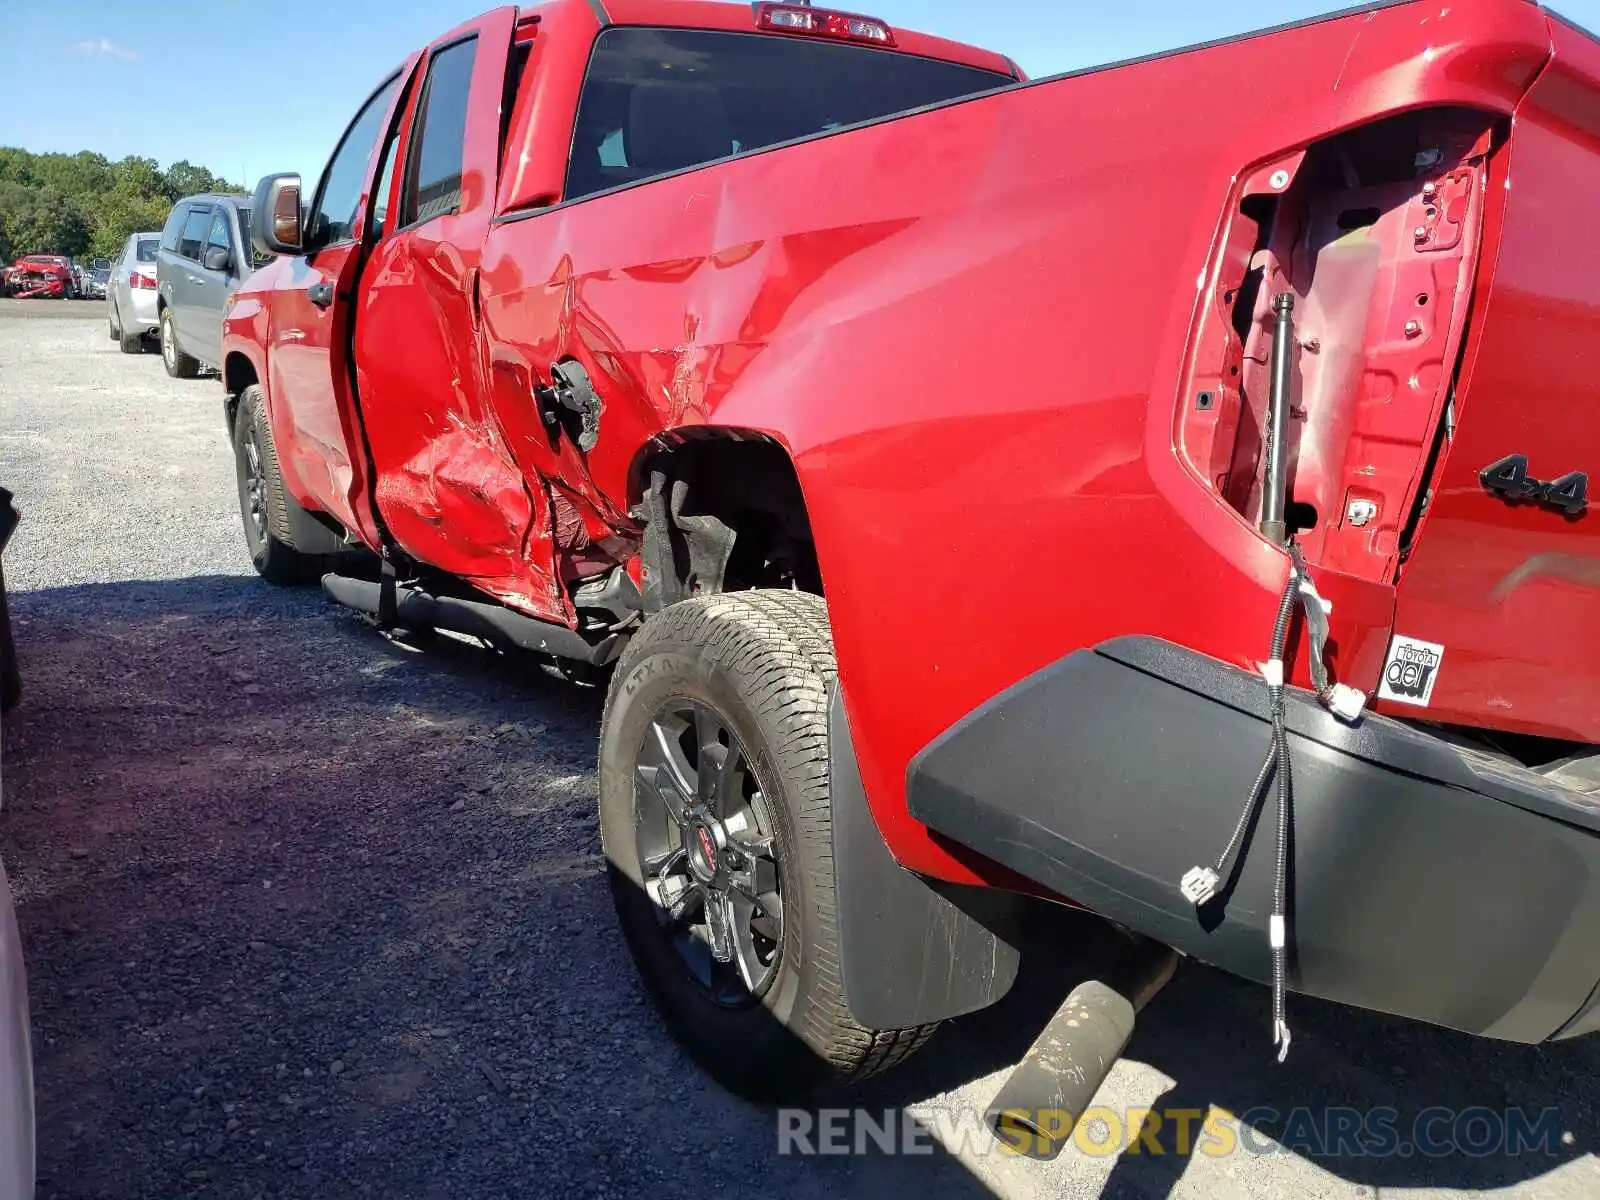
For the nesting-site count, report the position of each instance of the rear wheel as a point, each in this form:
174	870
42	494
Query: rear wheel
179	365
715	820
262	499
128	342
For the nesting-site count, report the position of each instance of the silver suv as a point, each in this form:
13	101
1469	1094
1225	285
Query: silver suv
204	256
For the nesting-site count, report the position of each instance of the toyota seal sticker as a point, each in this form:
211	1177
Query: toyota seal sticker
1410	671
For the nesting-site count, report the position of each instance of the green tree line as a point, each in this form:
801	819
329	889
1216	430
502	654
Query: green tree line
86	205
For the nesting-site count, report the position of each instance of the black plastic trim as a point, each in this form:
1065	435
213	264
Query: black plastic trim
1426	880
911	951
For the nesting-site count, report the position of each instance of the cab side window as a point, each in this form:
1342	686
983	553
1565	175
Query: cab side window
438	143
336	209
655	101
195	230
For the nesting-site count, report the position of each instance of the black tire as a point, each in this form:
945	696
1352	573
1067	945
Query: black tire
762	661
262	499
113	323
128	343
178	364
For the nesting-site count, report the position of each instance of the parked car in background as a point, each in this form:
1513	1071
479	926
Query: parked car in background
43	275
131	293
203	256
92	281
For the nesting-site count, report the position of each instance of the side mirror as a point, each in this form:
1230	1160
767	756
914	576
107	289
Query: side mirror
217	258
275	227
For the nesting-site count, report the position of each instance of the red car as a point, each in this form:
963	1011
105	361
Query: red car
988	491
41	275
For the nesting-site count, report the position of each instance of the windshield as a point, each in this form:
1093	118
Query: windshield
659	100
144	250
48	260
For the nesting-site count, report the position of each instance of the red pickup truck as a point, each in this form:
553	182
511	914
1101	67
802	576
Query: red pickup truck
1160	488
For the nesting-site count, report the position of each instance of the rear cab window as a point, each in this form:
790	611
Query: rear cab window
661	100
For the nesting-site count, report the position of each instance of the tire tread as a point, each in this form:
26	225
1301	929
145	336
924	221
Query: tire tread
780	642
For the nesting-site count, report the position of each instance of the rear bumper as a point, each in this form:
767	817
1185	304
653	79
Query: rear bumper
136	308
1426	880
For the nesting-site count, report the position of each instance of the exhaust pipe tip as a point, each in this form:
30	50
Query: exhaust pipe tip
1040	1104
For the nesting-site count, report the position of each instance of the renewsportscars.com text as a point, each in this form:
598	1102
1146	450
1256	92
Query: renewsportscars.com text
1314	1133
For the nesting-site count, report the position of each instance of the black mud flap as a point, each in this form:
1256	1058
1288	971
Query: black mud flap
1425	880
911	951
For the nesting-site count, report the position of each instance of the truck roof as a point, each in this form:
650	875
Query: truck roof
699	14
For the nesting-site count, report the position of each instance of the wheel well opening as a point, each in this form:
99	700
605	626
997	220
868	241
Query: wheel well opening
728	515
238	373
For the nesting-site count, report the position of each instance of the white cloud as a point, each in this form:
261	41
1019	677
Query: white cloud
104	48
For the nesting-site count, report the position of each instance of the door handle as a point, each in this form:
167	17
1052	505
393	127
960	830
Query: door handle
197	279
320	294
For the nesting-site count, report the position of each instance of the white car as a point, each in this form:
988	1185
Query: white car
131	315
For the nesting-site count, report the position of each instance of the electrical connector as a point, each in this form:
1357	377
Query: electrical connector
1199	885
1345	702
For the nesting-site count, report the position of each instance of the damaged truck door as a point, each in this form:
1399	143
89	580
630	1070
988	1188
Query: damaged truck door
449	487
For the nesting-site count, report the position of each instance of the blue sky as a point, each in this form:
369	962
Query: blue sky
245	87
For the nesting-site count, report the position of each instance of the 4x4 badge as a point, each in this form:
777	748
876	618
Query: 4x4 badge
1509	478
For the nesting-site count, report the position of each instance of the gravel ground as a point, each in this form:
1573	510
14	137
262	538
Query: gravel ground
310	912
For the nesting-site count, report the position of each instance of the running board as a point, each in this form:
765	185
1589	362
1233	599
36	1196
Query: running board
417	609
